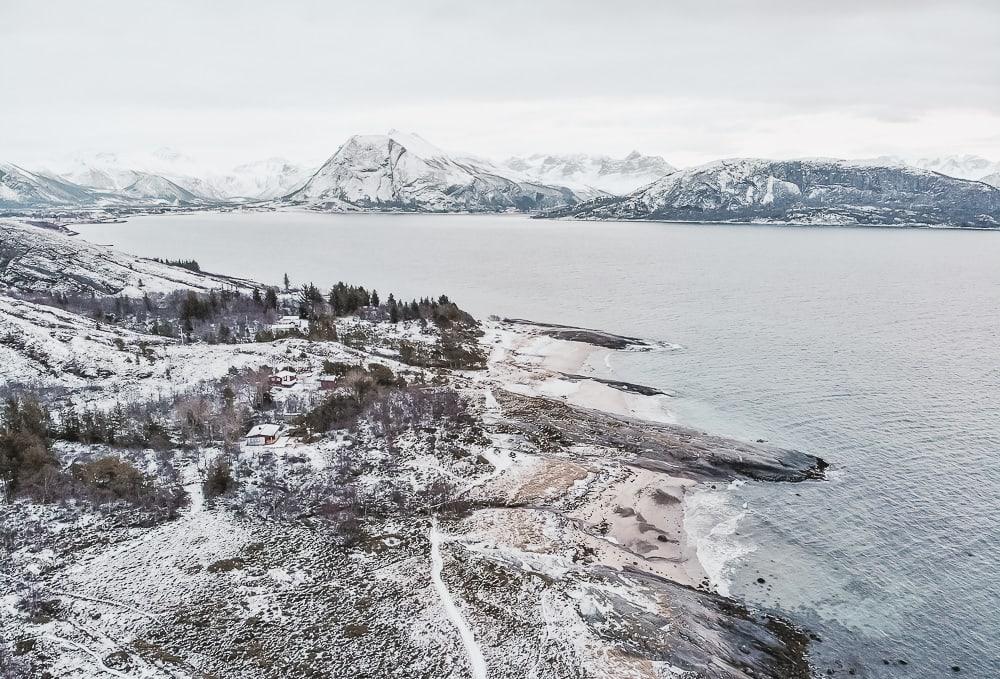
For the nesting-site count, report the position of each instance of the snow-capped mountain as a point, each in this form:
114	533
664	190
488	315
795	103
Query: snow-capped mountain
804	192
263	179
399	171
133	179
156	189
592	175
21	189
960	166
257	180
963	167
991	179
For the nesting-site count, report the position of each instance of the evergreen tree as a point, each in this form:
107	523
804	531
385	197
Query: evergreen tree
271	299
257	298
393	309
374	298
288	283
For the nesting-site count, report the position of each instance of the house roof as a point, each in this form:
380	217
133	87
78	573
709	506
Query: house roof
264	430
285	373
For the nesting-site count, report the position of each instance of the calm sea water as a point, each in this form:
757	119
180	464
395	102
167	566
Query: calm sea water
878	349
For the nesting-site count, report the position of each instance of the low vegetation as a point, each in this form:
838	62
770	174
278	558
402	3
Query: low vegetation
28	468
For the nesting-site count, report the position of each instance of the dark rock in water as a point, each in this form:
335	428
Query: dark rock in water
627	387
666	448
598	338
760	581
709	634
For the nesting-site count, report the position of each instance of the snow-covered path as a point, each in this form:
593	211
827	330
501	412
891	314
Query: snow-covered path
472	649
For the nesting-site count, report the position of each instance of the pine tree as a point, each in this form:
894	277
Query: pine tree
288	283
393	309
271	299
374	298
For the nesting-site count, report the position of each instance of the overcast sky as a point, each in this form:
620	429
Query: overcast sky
691	80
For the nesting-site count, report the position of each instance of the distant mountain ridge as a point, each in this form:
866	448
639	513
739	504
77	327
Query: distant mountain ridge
592	175
803	192
404	172
968	166
398	172
21	188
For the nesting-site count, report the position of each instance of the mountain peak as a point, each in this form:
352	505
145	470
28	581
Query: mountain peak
403	171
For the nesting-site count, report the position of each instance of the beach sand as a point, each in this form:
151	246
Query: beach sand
628	517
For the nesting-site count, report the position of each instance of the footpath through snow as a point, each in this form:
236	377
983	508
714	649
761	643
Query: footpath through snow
476	660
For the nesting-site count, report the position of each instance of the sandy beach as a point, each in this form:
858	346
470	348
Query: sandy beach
628	517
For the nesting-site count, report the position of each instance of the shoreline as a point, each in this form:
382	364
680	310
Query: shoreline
641	503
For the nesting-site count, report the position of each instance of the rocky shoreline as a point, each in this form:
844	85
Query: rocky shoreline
508	512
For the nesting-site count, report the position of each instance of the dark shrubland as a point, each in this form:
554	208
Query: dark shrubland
28	468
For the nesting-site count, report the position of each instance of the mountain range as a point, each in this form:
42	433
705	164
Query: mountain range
803	192
592	175
403	172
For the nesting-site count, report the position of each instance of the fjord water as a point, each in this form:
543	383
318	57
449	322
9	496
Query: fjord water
877	349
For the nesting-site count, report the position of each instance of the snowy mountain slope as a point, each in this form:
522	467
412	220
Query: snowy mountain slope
263	179
804	192
962	167
112	173
966	166
137	179
587	174
105	176
154	188
20	188
37	259
400	171
991	179
49	346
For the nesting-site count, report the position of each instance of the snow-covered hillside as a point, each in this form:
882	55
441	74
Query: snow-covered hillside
263	179
804	192
591	175
20	189
38	259
398	171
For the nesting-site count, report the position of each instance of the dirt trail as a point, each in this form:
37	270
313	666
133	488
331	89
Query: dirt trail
476	660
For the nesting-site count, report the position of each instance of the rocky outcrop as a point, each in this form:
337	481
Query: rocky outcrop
668	448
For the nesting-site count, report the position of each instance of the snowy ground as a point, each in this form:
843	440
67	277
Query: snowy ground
561	552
